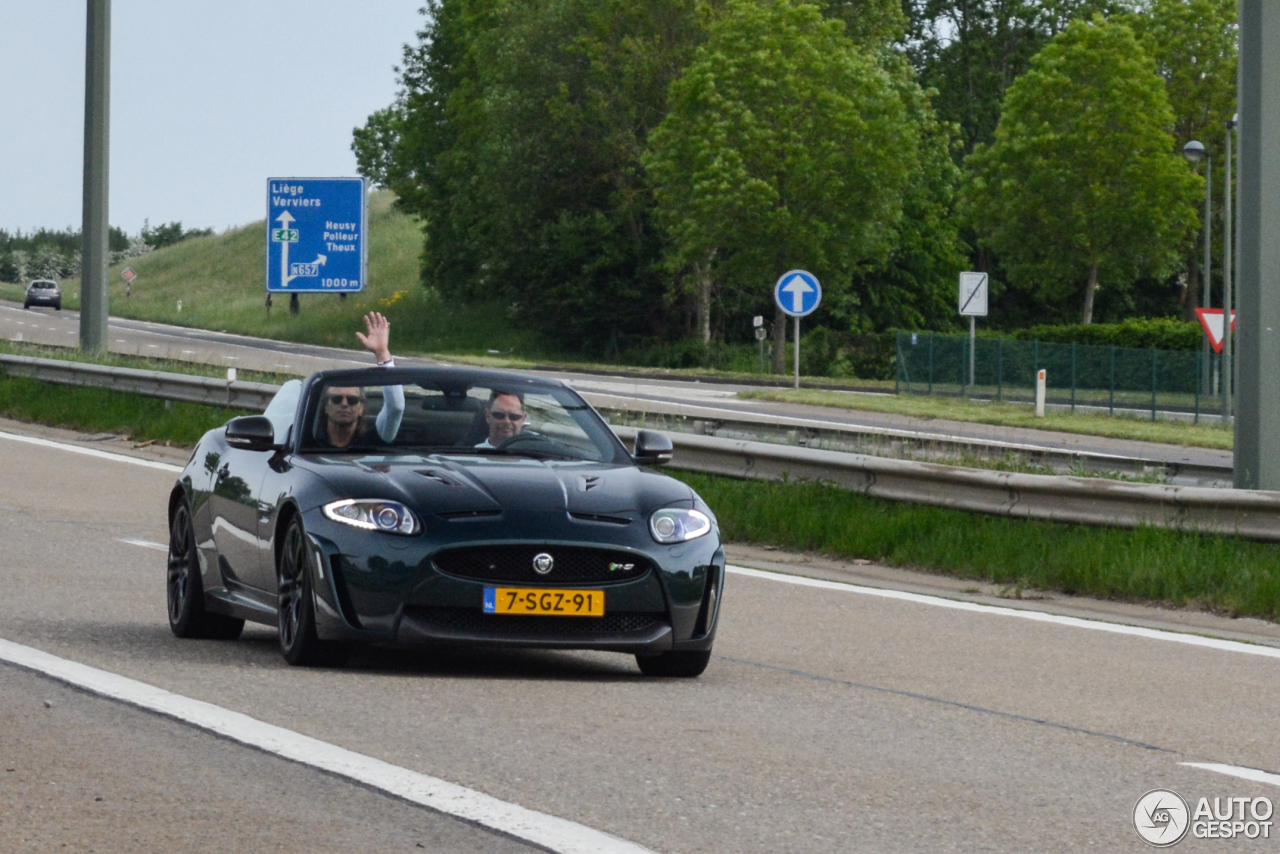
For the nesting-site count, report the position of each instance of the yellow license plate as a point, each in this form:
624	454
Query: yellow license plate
542	602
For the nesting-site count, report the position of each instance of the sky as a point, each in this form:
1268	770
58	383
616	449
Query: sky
209	99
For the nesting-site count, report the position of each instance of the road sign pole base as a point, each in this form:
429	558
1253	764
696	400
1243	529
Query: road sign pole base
294	306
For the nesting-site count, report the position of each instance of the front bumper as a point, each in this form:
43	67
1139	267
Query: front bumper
381	588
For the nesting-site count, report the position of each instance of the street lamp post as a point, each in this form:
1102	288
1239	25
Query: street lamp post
1228	238
1195	151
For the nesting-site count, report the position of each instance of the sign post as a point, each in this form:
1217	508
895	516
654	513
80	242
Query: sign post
316	236
128	275
973	303
798	294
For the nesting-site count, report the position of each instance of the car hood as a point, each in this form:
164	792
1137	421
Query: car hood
453	487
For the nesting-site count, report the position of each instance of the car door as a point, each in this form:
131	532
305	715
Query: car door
234	509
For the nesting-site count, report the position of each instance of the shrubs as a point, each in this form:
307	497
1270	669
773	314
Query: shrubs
1162	333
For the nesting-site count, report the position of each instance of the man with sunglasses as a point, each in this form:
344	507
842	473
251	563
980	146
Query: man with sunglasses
505	416
342	418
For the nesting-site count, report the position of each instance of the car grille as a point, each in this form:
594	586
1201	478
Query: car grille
472	621
514	564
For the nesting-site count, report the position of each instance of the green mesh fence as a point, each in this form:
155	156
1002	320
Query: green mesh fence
1119	379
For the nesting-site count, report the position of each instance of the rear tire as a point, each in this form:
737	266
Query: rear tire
57	306
185	592
296	609
680	663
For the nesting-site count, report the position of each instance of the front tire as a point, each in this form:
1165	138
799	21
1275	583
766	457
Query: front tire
680	663
296	609
185	592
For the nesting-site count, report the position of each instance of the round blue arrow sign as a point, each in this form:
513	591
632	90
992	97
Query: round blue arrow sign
797	293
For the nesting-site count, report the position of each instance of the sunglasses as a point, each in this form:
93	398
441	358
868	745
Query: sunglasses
350	399
499	415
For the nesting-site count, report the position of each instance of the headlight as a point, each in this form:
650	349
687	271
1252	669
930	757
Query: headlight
391	517
674	525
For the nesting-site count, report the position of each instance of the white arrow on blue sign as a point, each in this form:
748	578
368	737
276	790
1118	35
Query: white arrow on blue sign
797	293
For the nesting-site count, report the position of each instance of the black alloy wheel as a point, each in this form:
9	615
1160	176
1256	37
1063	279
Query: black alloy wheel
296	609
682	663
187	615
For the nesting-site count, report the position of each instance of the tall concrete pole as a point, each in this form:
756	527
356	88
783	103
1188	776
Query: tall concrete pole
95	254
1257	427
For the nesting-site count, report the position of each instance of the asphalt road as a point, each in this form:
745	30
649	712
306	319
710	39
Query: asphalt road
829	720
144	338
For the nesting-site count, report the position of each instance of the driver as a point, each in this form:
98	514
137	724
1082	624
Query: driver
342	414
505	416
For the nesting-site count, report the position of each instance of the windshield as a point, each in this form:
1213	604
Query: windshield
282	408
529	421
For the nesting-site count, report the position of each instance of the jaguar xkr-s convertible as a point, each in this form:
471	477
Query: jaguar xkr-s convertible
442	506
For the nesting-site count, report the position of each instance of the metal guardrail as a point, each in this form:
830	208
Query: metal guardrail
160	384
1055	498
891	442
1052	498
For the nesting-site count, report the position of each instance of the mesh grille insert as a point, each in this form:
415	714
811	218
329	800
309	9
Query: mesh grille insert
514	564
472	621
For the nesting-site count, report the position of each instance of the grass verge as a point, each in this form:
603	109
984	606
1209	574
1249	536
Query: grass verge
97	410
1224	574
1009	415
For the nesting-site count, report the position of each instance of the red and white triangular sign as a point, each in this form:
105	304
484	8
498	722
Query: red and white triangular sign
1211	320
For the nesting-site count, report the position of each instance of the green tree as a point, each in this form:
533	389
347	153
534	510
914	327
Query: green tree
517	138
1083	183
785	145
971	51
1193	43
915	287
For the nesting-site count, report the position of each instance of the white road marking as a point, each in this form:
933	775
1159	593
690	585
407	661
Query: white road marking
557	834
1034	616
91	452
146	544
1237	771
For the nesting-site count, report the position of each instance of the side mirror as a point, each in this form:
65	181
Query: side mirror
252	433
652	449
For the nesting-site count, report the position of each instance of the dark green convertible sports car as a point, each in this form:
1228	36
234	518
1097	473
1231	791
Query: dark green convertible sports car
425	506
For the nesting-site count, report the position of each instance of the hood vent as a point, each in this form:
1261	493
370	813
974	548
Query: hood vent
597	517
432	474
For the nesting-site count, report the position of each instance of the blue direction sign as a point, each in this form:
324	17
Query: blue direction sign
797	293
316	229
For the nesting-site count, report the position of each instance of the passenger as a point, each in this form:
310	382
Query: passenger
505	416
342	415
